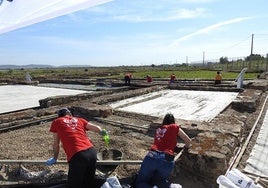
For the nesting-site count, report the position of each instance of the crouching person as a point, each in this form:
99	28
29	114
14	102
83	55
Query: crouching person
158	164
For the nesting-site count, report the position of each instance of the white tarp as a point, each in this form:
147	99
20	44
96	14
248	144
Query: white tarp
183	104
236	179
257	163
20	13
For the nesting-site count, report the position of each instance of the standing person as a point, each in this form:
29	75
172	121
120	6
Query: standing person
158	164
218	78
81	154
172	78
128	77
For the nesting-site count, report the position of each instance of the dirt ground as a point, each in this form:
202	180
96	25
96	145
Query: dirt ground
34	143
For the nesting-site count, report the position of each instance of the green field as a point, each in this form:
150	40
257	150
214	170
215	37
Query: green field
118	72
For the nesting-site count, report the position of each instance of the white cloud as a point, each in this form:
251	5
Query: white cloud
162	16
210	28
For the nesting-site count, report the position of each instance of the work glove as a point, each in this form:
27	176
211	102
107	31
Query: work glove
105	136
103	132
51	161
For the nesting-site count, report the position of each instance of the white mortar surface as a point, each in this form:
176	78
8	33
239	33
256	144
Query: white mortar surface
183	104
18	97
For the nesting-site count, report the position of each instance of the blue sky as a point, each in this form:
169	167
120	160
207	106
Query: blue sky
142	32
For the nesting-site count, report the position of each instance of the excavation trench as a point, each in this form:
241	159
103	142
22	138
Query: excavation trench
214	142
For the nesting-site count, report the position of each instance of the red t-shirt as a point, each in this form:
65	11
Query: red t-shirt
72	133
165	138
172	77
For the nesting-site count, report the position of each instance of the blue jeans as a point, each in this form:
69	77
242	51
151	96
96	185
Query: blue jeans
155	170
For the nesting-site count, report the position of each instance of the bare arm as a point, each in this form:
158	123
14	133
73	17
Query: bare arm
56	145
185	138
93	127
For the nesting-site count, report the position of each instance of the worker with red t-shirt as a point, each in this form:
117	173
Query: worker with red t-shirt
81	154
172	78
158	164
127	78
149	78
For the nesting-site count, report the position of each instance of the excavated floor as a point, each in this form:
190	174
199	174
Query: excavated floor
130	133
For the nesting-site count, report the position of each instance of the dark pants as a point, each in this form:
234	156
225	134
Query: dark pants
127	80
217	81
82	168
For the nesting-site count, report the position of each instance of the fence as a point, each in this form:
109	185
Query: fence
237	64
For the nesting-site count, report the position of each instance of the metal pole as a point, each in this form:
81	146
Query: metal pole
251	51
102	162
203	59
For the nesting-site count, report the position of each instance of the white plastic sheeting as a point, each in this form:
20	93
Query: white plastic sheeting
236	179
18	97
21	13
257	163
183	104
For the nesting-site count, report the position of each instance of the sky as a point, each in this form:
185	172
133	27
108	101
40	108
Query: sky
142	32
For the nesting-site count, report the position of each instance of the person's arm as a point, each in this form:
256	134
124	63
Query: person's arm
93	127
56	150
185	138
56	145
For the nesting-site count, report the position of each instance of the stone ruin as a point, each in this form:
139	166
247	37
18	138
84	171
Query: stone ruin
214	144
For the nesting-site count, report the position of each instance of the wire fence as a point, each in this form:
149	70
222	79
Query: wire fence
236	64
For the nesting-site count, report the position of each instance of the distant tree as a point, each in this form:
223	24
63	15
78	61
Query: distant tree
153	65
254	57
224	60
184	65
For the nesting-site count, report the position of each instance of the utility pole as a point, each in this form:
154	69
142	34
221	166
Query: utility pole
203	59
251	51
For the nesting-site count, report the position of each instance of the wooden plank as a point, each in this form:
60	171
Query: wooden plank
178	155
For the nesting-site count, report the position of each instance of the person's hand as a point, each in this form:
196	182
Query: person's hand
103	132
105	135
51	161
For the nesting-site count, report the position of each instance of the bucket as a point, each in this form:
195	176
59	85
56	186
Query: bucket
109	154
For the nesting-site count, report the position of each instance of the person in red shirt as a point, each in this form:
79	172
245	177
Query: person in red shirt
81	154
158	164
128	77
172	78
149	78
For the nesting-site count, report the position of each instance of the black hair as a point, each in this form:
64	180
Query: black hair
63	112
168	119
